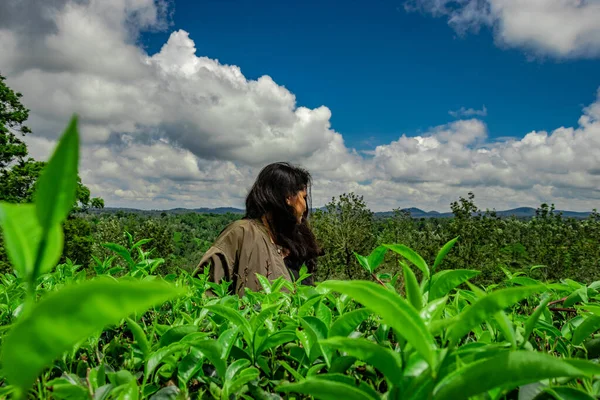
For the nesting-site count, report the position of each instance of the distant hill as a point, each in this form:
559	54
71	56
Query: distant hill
520	212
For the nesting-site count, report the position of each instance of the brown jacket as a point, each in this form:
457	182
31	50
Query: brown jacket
243	249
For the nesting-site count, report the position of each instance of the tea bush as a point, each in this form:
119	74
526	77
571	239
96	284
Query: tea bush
126	332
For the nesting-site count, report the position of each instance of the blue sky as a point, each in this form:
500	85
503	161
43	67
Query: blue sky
184	111
384	71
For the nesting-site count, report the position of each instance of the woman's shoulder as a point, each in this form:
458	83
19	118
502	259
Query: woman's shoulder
242	229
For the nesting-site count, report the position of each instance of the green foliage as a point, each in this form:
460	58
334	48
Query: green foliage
46	328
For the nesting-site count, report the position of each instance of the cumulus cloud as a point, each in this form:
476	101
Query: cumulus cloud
559	166
558	28
174	129
468	112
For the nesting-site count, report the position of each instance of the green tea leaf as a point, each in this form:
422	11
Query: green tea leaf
234	317
139	336
568	393
394	311
212	350
413	291
444	281
534	317
277	339
442	254
235	367
120	250
486	307
348	322
374	259
156	358
590	325
242	378
324	314
189	365
506	370
22	236
411	256
56	188
322	389
433	310
63	318
176	333
388	362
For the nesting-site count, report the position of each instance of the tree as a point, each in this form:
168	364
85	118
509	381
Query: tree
18	172
344	227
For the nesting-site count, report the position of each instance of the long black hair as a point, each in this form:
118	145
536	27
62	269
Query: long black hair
267	198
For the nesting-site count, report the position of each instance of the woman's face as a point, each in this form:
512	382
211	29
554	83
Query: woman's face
298	203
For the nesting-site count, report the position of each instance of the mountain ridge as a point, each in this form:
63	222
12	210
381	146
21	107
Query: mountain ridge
518	212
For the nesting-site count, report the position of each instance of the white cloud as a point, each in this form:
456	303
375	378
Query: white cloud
558	28
174	129
468	112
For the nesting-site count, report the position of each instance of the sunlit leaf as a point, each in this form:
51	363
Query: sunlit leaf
374	259
486	307
411	286
411	256
56	187
444	281
323	389
506	370
65	317
348	322
590	325
394	311
388	362
22	236
442	254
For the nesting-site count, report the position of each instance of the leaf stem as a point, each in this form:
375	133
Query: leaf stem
377	279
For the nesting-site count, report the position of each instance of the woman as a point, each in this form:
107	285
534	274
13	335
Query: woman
273	238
